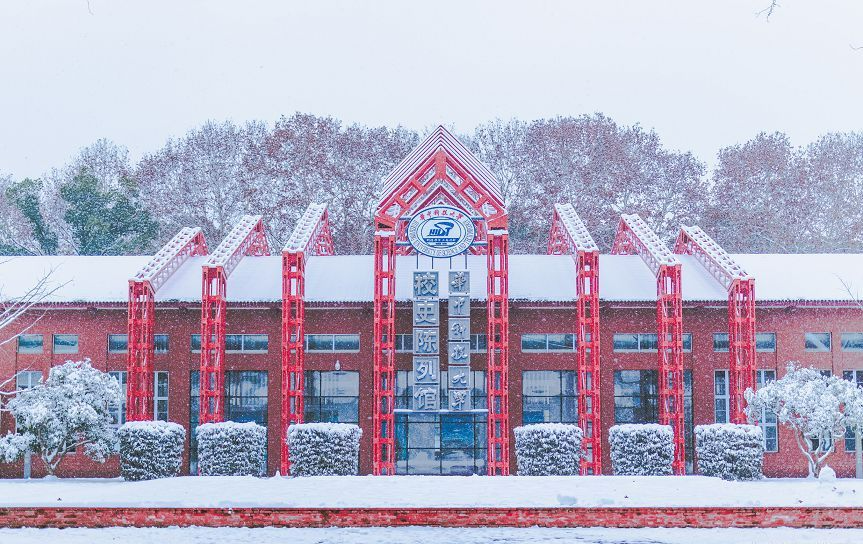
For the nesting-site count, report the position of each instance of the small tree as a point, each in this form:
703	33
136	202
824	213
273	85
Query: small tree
69	409
808	402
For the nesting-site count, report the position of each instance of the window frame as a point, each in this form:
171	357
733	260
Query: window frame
724	398
54	349
30	351
648	339
332	343
547	336
765	350
114	337
806	342
156	397
156	349
760	380
30	375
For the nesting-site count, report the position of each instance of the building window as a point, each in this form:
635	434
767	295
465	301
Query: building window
721	397
767	421
332	397
30	343
855	377
852	341
548	342
160	343
245	400
817	341
636	399
118	343
720	341
404	343
246	343
478	343
765	342
118	412
722	408
439	442
160	396
65	343
27	379
333	342
635	342
549	396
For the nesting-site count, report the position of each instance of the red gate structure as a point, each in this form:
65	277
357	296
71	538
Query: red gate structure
246	238
570	236
741	311
311	237
441	171
634	237
187	243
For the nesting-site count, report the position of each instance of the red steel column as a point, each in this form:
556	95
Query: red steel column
497	376
741	345
139	358
383	440
212	376
669	308
587	348
293	346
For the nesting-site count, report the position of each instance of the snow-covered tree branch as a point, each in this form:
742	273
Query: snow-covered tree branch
71	409
808	402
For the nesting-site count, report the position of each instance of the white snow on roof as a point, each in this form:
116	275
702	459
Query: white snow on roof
811	277
349	278
80	279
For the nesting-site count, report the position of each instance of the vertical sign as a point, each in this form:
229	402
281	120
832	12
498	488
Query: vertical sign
458	342
426	331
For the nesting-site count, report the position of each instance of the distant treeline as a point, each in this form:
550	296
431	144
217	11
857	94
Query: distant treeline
764	195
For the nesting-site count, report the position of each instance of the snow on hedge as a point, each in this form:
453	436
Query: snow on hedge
151	449
548	449
641	449
231	449
324	449
729	451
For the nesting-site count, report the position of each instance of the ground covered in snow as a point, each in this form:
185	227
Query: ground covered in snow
431	491
430	535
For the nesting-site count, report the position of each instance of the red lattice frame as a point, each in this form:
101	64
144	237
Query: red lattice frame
741	312
311	237
634	237
141	317
497	375
247	238
569	236
383	415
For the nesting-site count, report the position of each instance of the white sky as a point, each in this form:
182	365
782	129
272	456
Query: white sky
702	73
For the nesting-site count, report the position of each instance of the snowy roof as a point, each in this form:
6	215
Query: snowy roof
80	279
349	278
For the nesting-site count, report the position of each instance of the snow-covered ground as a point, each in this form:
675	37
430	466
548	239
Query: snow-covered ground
430	535
431	491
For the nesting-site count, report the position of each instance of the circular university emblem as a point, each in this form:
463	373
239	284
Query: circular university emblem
441	231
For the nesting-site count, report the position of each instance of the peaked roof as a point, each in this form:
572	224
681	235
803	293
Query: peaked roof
441	138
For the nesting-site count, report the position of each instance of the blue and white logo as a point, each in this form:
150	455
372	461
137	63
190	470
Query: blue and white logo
441	231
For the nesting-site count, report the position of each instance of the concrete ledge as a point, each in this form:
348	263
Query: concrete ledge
696	517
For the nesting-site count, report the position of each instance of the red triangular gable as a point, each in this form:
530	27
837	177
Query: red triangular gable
441	169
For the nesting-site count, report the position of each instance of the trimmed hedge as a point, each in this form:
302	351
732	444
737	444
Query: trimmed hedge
324	449
548	449
151	449
232	449
641	449
729	451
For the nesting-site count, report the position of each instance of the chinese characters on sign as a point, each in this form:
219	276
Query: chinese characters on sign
458	342
426	322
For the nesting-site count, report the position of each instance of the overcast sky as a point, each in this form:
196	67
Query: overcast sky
703	74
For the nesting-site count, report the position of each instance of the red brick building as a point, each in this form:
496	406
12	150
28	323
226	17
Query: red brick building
257	321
